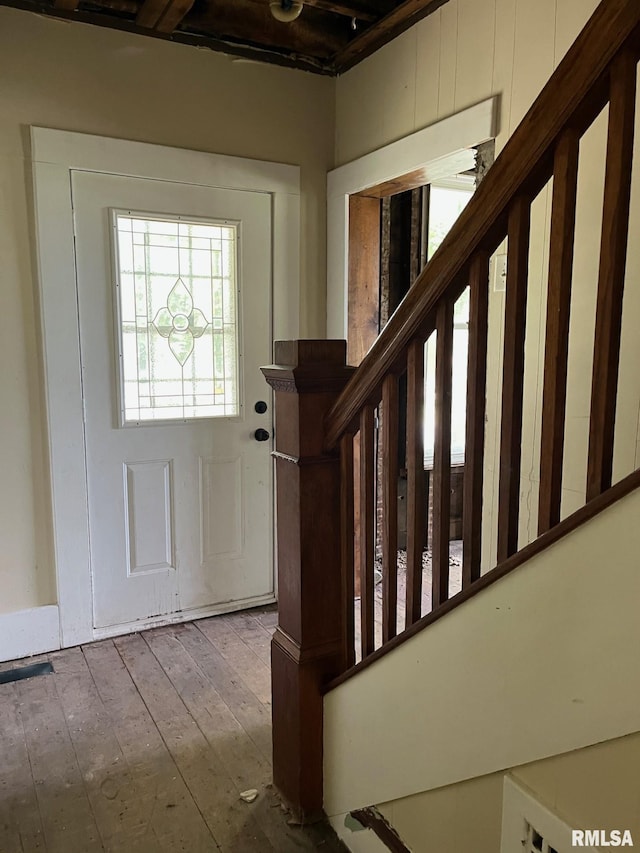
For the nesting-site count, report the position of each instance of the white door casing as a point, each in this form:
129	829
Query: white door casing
180	514
438	150
55	155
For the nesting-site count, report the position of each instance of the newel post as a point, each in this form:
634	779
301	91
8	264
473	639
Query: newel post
306	648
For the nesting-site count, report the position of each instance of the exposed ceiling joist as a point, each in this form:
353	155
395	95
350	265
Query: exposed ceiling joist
304	37
150	12
323	39
350	10
163	15
173	14
129	6
385	29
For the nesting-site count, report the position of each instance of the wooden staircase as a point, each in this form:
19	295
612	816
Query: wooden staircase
324	409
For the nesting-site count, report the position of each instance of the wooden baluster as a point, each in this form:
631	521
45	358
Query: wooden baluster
613	256
513	376
476	406
367	529
442	455
416	518
347	548
389	506
563	221
356	518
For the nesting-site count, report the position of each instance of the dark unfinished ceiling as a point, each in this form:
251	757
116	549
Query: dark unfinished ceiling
326	37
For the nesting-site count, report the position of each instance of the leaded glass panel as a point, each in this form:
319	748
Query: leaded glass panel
178	313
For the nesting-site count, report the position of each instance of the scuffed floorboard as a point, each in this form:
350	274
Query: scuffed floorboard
143	744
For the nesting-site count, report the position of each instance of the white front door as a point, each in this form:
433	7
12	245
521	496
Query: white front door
174	300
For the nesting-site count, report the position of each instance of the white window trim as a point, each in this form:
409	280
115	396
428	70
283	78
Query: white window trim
55	154
441	149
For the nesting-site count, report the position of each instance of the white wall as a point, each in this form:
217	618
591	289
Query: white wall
462	54
82	78
542	662
593	788
465	52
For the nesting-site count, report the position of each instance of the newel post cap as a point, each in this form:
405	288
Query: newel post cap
308	365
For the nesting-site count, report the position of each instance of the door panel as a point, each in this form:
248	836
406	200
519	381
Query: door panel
148	519
180	510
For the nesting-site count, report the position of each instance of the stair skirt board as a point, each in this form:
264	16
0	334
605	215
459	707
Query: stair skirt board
372	819
355	837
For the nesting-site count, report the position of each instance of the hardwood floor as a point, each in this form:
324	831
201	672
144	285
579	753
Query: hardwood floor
144	743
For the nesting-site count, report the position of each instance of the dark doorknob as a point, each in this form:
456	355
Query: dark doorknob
260	407
261	435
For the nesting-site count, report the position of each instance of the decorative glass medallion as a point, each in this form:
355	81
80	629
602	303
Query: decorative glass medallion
177	298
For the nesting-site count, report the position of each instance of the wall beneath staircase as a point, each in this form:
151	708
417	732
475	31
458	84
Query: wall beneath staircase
541	663
593	788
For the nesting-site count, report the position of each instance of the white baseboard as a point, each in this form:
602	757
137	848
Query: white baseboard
29	632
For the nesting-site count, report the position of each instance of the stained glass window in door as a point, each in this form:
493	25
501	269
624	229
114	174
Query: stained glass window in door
177	288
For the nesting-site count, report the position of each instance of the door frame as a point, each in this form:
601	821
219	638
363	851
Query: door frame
55	154
429	153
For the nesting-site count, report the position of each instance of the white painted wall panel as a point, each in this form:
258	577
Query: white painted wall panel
591	787
427	80
475	42
448	59
541	663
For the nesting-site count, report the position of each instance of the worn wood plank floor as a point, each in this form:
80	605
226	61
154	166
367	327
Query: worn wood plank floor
143	744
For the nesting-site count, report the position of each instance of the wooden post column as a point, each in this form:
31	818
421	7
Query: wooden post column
306	649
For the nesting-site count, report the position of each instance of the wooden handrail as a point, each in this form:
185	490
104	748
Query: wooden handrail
574	96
